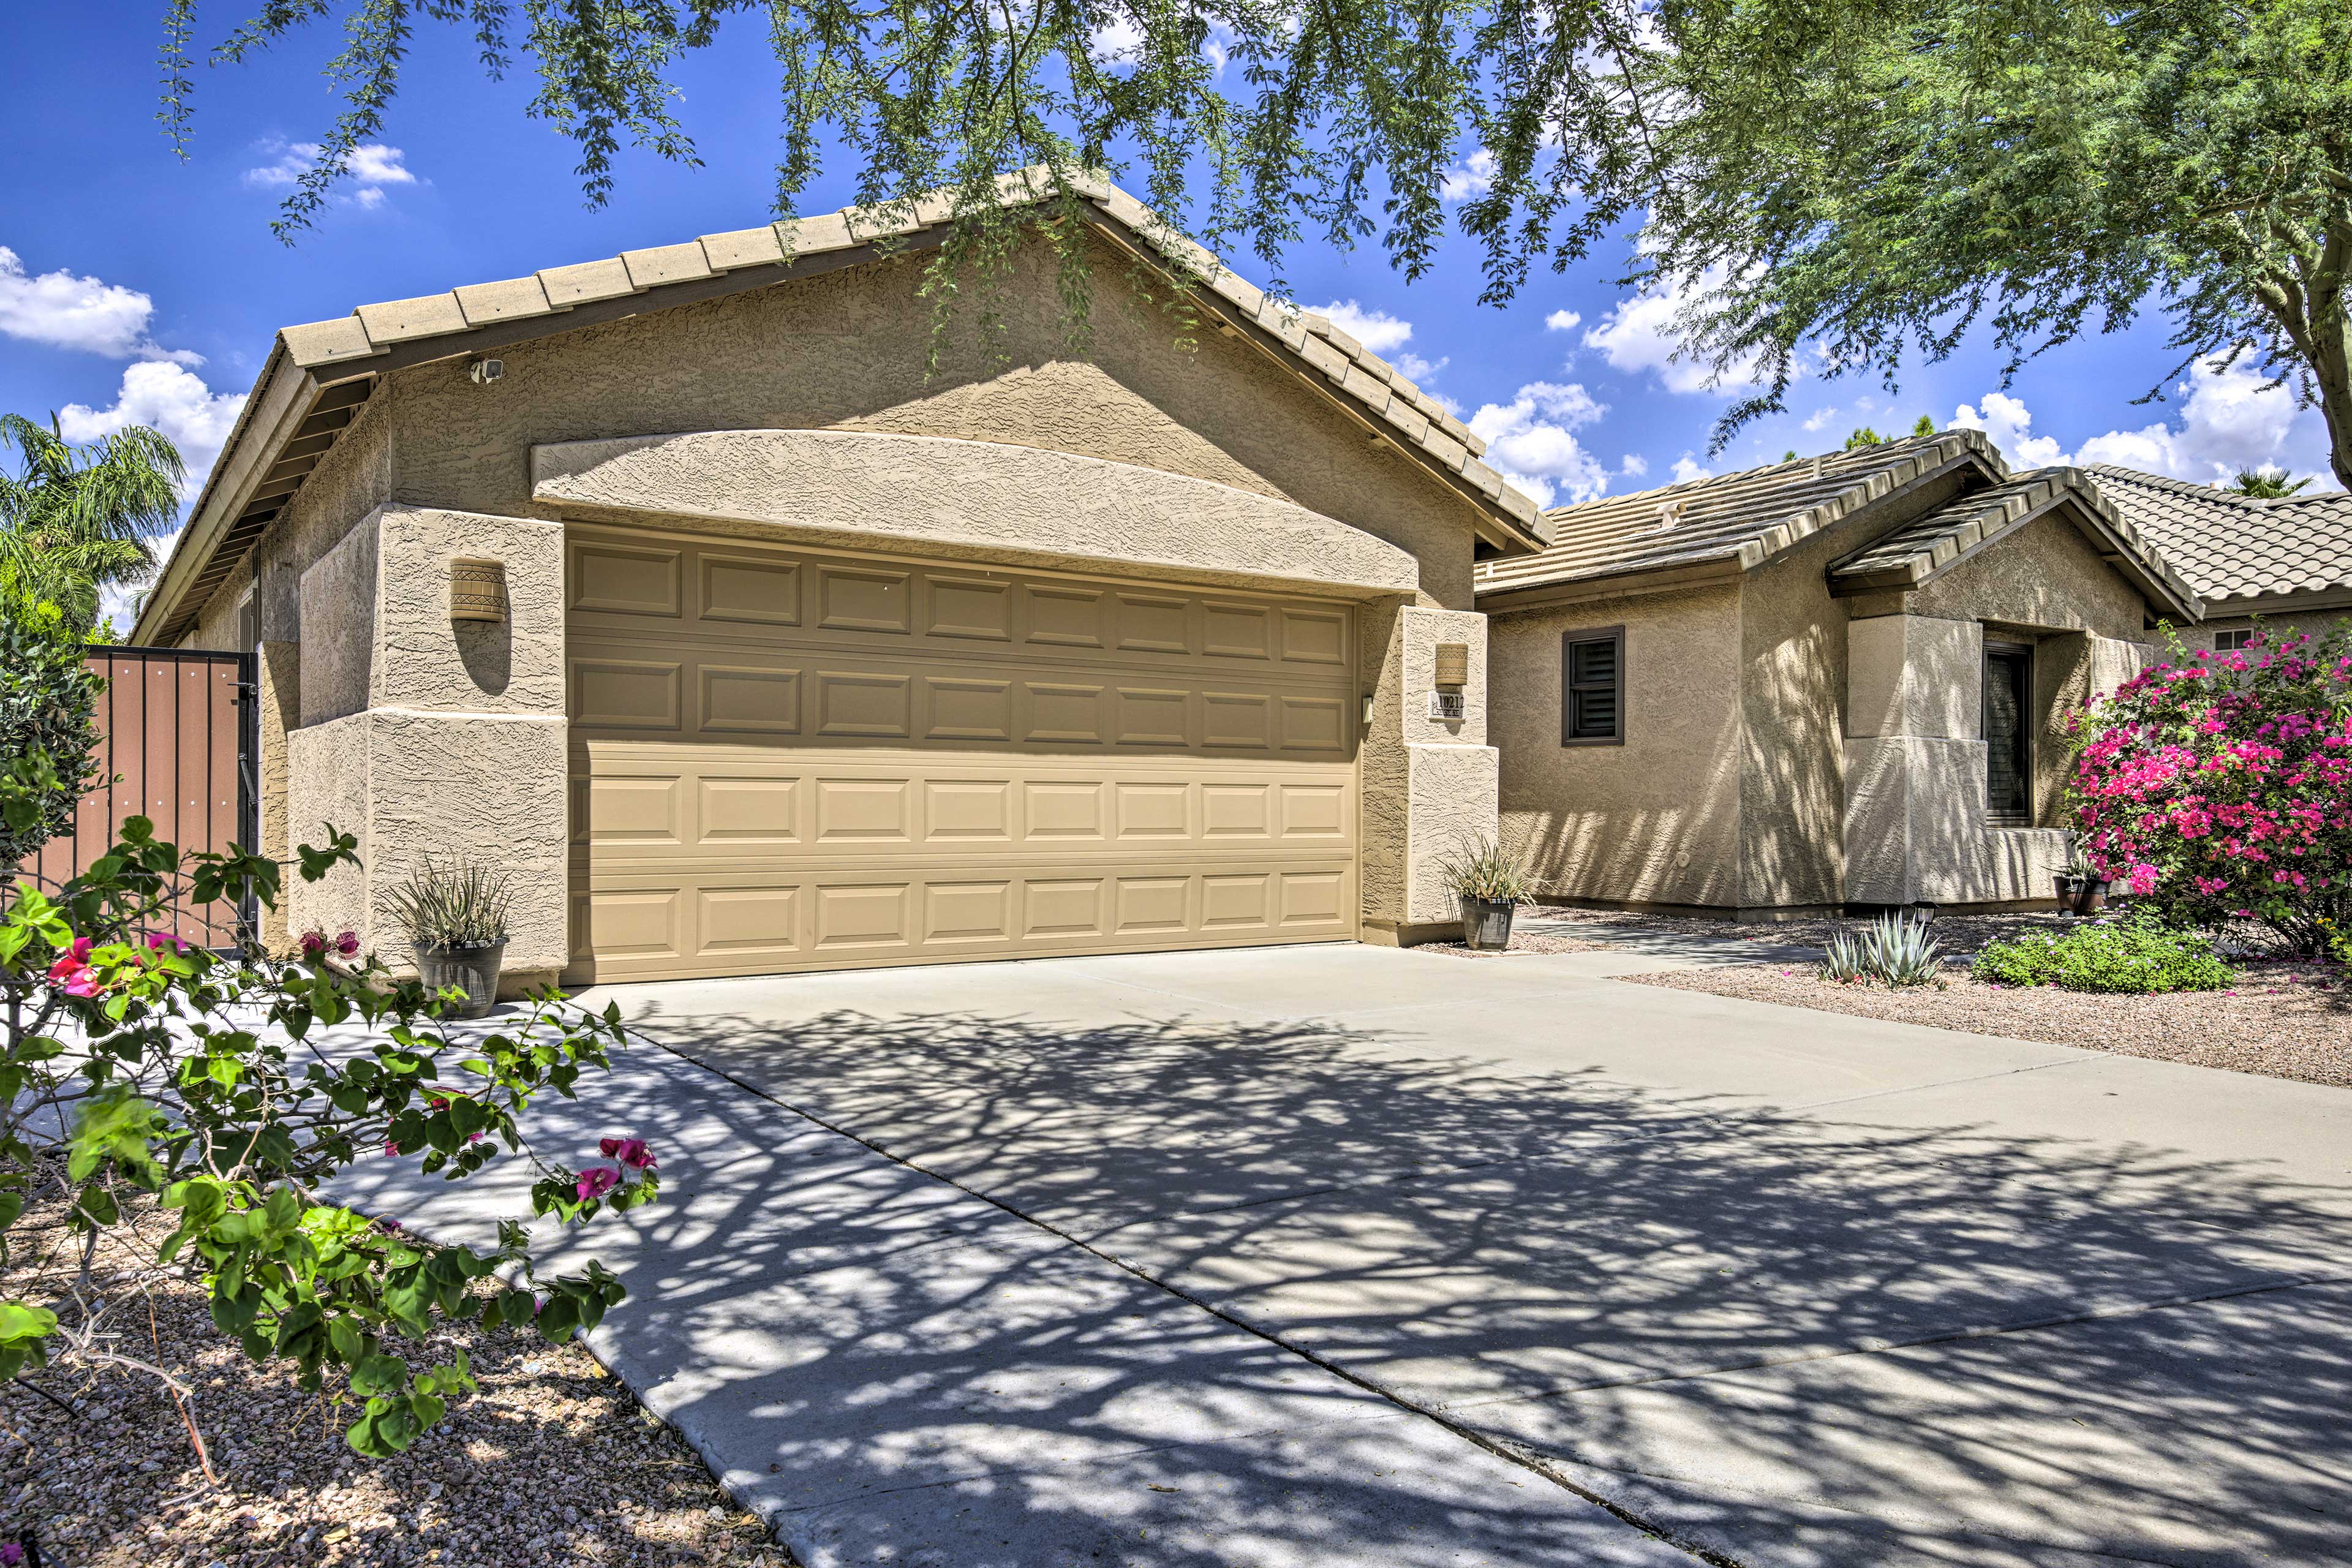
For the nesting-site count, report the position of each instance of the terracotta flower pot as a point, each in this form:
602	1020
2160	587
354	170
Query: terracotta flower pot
2091	895
472	970
2070	892
1487	923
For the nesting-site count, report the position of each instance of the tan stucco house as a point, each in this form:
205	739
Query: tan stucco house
2261	568
806	659
1834	681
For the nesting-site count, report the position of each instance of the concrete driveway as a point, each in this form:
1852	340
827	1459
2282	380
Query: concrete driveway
1342	1255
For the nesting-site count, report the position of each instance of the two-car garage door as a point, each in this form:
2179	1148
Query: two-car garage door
790	759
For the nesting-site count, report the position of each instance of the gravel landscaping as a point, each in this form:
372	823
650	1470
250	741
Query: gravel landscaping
1522	942
2285	1020
1957	933
553	1462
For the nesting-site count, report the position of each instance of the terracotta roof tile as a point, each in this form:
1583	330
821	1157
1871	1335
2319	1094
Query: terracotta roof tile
1746	516
1352	369
2229	546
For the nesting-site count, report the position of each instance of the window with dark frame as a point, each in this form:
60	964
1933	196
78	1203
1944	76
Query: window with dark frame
2009	733
1592	688
2233	641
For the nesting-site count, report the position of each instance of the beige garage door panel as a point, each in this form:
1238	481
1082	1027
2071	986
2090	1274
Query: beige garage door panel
787	759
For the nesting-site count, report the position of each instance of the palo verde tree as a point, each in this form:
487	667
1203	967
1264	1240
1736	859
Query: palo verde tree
1858	180
1864	179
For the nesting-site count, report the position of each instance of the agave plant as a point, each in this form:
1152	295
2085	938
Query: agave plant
1892	950
453	903
1485	869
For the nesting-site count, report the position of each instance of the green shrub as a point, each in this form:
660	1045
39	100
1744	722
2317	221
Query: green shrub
2136	955
47	696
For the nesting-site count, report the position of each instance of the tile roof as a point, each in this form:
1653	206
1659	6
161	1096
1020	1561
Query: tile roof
1935	540
2229	546
319	373
1743	518
1413	416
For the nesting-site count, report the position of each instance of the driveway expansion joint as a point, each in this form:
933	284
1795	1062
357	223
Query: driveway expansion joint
1657	1530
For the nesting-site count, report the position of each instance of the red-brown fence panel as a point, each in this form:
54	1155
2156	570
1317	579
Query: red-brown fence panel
176	746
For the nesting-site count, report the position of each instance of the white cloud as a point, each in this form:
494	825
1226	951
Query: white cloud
1418	370
2230	419
1376	330
64	311
1474	176
171	398
1687	468
1530	440
1819	417
1644	333
369	170
2008	423
1561	322
1635	465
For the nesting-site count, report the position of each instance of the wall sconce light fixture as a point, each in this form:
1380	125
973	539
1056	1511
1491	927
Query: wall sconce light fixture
477	590
1453	664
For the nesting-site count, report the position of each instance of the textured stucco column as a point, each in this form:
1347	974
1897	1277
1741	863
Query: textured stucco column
279	670
427	736
1915	828
1431	785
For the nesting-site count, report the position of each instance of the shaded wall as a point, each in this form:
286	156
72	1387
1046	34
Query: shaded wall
1657	820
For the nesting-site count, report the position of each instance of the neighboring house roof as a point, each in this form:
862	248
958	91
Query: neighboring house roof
318	374
1935	540
1729	522
2238	553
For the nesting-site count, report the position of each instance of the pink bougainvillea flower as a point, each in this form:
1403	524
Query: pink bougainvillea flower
631	1151
83	983
314	944
72	962
163	941
596	1181
348	943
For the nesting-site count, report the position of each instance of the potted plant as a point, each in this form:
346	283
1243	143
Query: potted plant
2081	890
1491	884
455	912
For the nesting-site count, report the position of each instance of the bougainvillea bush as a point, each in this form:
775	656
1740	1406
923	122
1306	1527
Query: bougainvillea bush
235	1088
2219	787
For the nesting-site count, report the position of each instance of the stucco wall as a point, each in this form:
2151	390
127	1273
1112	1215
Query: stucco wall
967	499
1658	819
1792	691
846	350
2046	575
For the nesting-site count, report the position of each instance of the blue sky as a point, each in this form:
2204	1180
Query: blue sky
135	287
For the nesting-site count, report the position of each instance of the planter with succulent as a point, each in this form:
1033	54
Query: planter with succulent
2081	890
1491	884
455	912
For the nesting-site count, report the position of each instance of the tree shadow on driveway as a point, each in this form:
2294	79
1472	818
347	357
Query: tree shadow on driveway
1177	1281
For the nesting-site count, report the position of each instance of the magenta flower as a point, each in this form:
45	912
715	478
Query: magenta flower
631	1151
348	943
596	1181
314	944
159	940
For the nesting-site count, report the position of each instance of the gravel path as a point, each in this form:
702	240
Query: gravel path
553	1462
2285	1020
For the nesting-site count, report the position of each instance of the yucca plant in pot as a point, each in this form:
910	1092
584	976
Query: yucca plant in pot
455	912
1491	883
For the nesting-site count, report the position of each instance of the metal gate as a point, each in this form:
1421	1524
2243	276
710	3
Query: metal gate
177	732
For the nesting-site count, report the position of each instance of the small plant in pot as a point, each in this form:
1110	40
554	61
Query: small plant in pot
455	912
1491	884
2082	891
